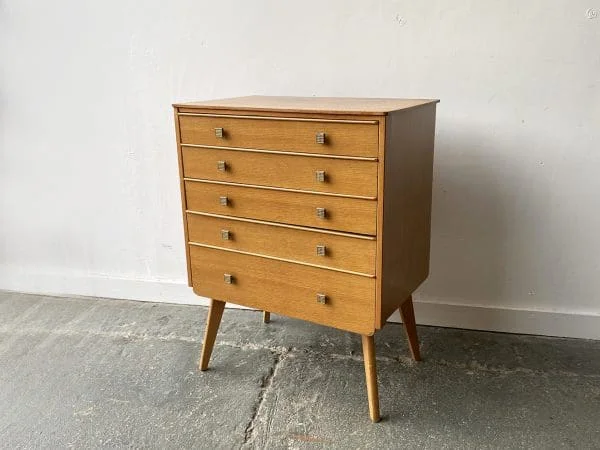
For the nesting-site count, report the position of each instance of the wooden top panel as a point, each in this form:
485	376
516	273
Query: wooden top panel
321	105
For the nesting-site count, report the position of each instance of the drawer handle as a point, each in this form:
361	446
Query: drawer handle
321	298
219	132
226	235
320	176
228	278
221	166
321	213
320	137
321	250
223	200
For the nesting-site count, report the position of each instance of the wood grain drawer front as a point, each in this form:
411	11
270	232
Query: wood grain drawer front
285	288
342	176
354	254
343	214
349	139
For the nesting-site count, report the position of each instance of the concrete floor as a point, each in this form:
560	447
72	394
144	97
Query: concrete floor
89	373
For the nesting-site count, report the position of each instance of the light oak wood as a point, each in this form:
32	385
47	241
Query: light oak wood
213	320
279	114
275	258
286	225
368	345
286	288
405	228
323	105
343	214
380	203
280	117
354	254
407	315
351	139
183	202
289	153
276	188
379	157
350	177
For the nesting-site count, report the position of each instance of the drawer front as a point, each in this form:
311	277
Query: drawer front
350	139
343	214
285	288
354	254
342	176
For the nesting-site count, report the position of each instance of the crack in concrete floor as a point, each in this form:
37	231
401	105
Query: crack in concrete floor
266	386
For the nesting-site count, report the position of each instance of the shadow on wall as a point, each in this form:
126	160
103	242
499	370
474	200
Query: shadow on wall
480	253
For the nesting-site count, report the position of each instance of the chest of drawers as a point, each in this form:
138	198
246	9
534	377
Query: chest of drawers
314	208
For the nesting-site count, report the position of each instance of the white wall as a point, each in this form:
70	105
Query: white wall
89	198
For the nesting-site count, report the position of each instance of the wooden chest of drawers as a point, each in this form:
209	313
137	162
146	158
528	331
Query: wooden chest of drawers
314	208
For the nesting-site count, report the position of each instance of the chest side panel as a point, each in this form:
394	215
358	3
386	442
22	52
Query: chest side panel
405	228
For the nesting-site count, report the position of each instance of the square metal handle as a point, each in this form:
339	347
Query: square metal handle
226	235
320	176
320	137
223	200
321	250
321	298
221	166
321	213
228	278
219	132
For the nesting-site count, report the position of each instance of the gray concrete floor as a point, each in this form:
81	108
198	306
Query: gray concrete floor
89	373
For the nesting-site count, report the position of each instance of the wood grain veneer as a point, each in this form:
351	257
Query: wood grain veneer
250	192
350	253
343	214
352	139
350	177
286	288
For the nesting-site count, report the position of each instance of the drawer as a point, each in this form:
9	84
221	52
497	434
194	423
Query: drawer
350	177
355	254
343	214
341	138
285	288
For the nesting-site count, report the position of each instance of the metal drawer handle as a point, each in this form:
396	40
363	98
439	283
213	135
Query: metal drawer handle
219	132
320	137
223	200
226	235
321	213
228	278
321	250
321	298
221	166
320	176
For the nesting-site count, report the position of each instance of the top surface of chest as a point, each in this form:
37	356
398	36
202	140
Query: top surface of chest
316	105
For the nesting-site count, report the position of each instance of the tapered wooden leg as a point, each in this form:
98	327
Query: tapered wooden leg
368	345
215	312
407	314
266	316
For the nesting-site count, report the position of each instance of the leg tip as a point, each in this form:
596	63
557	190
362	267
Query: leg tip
375	419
